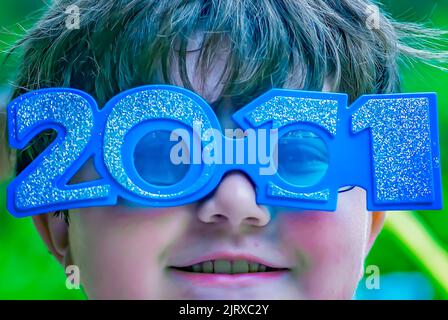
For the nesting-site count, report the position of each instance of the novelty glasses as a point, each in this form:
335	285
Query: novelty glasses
163	146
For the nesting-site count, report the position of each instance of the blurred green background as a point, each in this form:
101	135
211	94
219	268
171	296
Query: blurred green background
411	252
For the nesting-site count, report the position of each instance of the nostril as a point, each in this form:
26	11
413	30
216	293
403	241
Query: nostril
252	221
233	203
218	217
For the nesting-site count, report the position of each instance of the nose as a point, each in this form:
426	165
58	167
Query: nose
233	203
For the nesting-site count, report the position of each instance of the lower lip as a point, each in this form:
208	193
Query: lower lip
219	279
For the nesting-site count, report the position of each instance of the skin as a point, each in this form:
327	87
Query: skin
126	253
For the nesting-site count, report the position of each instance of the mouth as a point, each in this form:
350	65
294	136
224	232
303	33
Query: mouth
227	270
228	267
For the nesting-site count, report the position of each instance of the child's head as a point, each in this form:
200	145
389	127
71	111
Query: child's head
227	51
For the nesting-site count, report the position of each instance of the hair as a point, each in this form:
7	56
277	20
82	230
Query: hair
273	43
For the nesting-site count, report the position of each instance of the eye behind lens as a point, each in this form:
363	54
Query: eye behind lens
302	158
152	159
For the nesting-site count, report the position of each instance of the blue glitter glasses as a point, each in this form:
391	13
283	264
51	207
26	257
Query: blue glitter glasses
162	146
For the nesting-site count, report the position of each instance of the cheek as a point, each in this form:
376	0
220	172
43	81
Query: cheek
122	254
330	246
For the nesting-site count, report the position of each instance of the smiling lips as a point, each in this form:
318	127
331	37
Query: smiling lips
227	266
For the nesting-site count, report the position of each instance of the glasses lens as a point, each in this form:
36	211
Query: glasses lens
302	158
153	162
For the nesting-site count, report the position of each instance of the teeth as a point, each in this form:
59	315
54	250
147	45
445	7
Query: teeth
240	266
253	267
197	267
207	267
222	266
228	267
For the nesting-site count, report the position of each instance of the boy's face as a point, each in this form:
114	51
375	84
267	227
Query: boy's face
136	253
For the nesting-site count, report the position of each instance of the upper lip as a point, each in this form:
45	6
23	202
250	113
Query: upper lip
231	256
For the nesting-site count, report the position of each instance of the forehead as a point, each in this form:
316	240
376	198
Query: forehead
206	84
210	83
